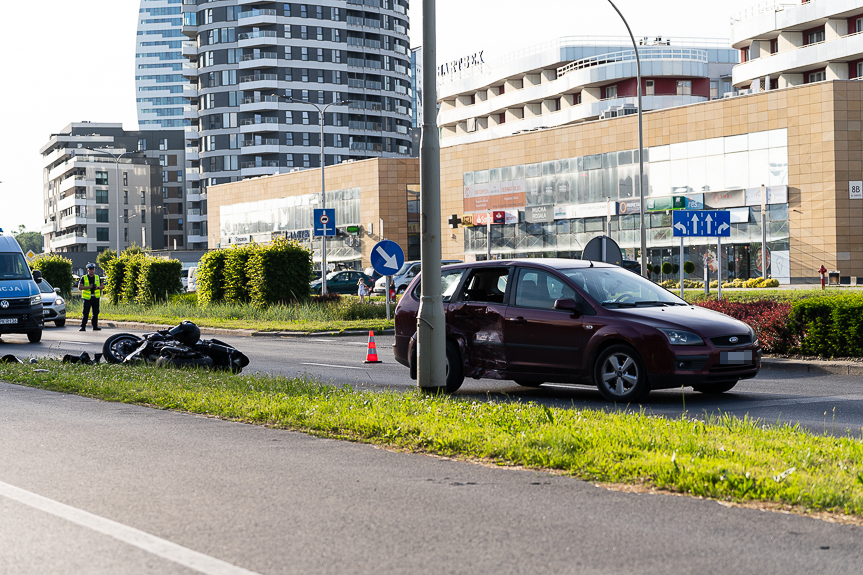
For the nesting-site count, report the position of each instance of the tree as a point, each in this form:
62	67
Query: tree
104	257
28	240
688	266
666	268
134	249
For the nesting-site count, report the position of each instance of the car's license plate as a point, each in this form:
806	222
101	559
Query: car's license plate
735	357
9	320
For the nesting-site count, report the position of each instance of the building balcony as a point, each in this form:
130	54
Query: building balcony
75	181
48	228
190	112
71	201
259	104
260	146
252	2
193	176
191	133
260	82
193	197
260	60
262	168
74	220
257	17
191	154
195	215
190	70
190	49
255	125
68	240
257	38
196	239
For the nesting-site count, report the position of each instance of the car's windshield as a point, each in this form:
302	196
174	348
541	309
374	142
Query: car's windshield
13	267
621	288
45	287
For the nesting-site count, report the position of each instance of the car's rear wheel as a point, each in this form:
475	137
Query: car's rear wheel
715	388
620	375
34	336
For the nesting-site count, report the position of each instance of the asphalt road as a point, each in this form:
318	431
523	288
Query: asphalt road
104	488
830	404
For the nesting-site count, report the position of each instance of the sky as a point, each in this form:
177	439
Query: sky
75	61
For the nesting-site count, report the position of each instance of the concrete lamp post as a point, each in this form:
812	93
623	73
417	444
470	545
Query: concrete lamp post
321	110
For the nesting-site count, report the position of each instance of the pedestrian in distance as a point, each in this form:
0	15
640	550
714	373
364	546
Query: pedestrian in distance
91	290
362	290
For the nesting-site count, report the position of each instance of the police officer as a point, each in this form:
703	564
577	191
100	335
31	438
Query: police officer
91	290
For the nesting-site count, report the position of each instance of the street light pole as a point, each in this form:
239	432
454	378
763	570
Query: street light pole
321	111
640	148
117	177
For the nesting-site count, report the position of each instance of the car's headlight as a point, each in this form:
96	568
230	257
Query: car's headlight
59	301
35	300
752	333
680	337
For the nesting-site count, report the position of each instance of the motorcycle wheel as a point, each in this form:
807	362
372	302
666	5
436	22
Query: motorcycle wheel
118	346
202	362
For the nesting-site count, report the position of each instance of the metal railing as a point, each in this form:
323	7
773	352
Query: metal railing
253	13
761	8
361	105
258	78
255	121
261	164
261	142
258	34
260	56
259	99
644	54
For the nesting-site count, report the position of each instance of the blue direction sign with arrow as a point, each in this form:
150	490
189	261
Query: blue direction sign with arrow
325	222
701	223
387	257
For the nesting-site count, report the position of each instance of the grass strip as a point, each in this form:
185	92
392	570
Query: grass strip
725	458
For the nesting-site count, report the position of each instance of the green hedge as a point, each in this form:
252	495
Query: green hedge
158	279
210	277
56	270
115	273
236	279
130	277
279	273
830	326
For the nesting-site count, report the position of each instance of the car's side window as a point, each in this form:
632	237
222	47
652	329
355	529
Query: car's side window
449	281
539	289
486	285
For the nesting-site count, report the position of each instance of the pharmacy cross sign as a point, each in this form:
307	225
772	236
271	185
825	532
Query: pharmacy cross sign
701	223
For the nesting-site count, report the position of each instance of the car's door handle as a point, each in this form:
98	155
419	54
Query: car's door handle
518	319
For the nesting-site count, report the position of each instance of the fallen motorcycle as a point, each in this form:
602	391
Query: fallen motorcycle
180	346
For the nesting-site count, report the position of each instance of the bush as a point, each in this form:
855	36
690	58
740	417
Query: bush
279	273
184	298
56	270
666	268
329	298
158	279
688	267
130	277
236	281
210	277
830	326
115	272
104	257
769	319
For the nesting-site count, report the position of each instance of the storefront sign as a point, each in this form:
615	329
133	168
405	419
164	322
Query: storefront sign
469	61
497	217
775	195
539	214
467	220
494	196
244	239
296	235
560	212
627	207
694	201
598	209
729	199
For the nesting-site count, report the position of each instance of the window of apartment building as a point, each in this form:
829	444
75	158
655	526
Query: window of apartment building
163	144
232	13
306	162
164	176
180	227
321	58
337	56
125	178
304	54
304	74
101	196
815	36
180	176
102	235
338	118
336	35
305	95
163	160
125	216
337	77
208	16
304	33
305	117
858	25
817	76
101	216
101	178
610	92
126	235
684	87
207	60
744	54
229	77
319	33
334	14
714	89
577	102
143	199
320	96
143	216
229	120
649	88
304	12
142	144
289	139
287	8
319	13
306	139
859	70
125	197
337	140
774	46
236	55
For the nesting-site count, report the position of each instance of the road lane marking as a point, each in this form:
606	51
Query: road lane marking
330	365
129	535
77	342
341	342
796	401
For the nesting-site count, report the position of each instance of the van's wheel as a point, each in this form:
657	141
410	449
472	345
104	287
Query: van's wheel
454	368
60	322
715	388
620	375
34	336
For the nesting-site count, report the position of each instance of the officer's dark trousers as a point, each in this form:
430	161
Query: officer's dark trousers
92	303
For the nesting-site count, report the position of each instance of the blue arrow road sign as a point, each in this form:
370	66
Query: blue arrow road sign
325	222
701	223
387	257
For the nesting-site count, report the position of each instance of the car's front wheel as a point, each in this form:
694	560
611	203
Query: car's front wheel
454	370
60	322
620	375
34	336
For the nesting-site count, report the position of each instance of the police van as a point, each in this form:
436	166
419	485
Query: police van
20	300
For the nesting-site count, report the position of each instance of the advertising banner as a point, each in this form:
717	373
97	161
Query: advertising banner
628	207
498	217
727	199
775	195
539	214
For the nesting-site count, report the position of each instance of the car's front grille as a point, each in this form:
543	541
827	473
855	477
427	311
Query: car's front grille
725	340
15	303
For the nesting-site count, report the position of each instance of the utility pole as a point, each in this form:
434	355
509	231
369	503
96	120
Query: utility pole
431	325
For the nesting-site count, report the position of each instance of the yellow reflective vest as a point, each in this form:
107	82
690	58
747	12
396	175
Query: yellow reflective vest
86	293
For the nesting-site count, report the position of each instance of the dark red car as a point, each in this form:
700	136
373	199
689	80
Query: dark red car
572	321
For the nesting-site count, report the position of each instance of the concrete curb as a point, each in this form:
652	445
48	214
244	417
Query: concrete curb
242	332
824	367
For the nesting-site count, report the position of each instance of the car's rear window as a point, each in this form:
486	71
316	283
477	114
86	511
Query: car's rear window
449	280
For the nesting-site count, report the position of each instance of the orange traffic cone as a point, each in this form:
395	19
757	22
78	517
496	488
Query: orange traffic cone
372	355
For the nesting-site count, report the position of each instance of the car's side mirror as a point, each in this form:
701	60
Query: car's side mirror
57	291
567	304
37	276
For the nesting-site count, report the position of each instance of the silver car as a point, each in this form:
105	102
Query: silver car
403	277
54	305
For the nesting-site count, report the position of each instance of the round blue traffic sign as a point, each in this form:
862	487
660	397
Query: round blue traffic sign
387	257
